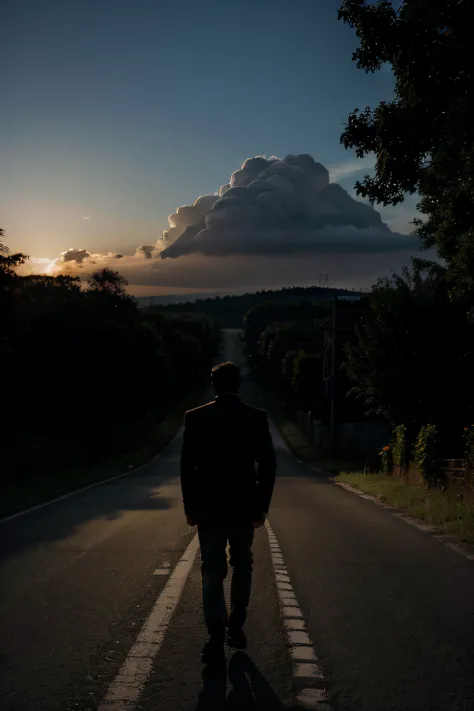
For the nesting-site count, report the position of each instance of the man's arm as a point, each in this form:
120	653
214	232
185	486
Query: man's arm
266	465
188	469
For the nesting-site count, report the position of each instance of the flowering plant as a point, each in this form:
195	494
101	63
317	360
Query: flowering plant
386	457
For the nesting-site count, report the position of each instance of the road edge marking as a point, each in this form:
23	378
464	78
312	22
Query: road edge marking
445	539
124	691
308	679
67	494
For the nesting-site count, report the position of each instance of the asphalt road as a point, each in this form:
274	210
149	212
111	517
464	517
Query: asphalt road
390	610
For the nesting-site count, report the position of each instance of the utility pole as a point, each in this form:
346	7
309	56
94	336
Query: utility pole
332	414
329	373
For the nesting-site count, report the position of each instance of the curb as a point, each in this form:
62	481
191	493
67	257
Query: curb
445	539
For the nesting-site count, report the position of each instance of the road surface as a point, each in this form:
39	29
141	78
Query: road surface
100	603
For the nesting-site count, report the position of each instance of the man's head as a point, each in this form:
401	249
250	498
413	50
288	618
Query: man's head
226	378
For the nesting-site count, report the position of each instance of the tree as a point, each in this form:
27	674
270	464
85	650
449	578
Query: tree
108	281
307	382
260	317
412	356
424	138
9	262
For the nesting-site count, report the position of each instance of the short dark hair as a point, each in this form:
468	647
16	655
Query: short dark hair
226	377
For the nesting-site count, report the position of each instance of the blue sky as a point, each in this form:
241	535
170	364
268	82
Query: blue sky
121	110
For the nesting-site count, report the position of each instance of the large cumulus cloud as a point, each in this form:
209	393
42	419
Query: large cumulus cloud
187	216
274	223
280	207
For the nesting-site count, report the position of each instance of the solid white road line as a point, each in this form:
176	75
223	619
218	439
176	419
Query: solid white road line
124	692
306	670
91	486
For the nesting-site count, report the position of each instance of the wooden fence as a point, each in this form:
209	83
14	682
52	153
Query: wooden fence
453	469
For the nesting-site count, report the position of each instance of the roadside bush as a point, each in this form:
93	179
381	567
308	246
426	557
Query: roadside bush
469	450
426	455
399	448
386	460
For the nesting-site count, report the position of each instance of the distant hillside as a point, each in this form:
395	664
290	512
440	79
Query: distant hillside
145	301
230	310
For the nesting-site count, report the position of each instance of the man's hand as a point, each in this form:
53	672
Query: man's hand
190	521
260	522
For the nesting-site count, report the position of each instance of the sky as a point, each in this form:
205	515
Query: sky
117	112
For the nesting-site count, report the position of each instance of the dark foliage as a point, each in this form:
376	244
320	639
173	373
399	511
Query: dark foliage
413	360
84	372
424	137
426	456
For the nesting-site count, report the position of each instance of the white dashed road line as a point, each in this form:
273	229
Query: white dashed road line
164	569
307	675
124	692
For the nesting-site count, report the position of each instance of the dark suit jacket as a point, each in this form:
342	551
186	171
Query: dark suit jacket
222	443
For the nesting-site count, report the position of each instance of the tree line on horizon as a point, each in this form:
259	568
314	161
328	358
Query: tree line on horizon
230	310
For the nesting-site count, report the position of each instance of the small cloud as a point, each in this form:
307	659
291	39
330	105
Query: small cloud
146	250
37	265
85	217
75	255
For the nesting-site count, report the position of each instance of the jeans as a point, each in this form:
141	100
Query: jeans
213	542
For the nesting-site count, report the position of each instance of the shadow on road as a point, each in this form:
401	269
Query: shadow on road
250	690
140	491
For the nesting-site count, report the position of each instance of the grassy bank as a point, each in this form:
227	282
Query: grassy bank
447	511
36	490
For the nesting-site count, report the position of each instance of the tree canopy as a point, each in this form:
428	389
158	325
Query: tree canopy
412	360
107	281
423	138
8	261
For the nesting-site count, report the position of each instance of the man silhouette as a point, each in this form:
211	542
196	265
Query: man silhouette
227	497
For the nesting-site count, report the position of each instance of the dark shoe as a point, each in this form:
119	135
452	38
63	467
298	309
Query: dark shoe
236	639
213	653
